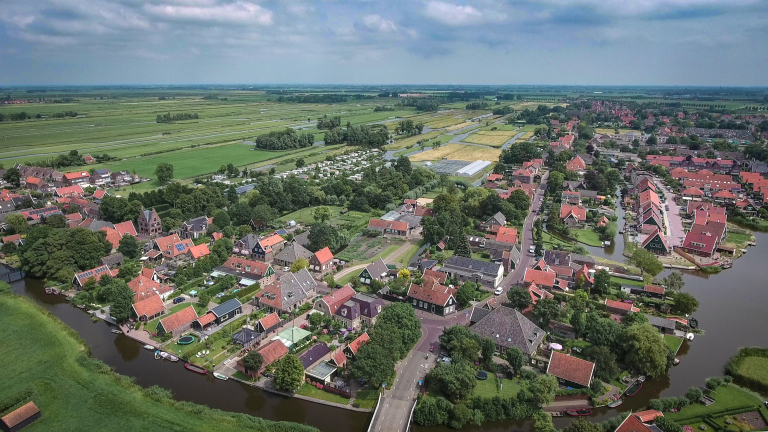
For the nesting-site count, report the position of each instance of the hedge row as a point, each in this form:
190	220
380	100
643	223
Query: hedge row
732	368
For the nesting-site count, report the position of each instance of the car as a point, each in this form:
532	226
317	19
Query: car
178	300
499	290
532	249
286	269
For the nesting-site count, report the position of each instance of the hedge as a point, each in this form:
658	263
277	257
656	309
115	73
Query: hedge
732	368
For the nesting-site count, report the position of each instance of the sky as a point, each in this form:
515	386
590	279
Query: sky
562	42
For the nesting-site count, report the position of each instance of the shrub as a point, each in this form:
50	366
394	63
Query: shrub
713	383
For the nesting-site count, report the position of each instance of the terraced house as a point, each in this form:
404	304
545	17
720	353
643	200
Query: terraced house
263	249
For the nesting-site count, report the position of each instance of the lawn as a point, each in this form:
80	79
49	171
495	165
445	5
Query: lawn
673	342
409	141
487	388
587	236
738	239
456	151
305	216
72	389
405	258
315	393
366	398
552	242
727	397
610	131
755	368
491	138
627	281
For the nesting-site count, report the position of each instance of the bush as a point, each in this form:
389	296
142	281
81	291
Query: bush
713	383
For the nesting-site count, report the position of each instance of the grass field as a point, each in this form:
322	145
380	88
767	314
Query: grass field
587	236
152	325
491	138
755	368
610	131
487	388
367	398
409	141
304	216
673	342
460	126
458	152
726	397
71	389
315	393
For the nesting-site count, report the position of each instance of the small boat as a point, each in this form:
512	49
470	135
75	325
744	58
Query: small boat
220	376
157	355
634	388
116	331
49	290
677	361
168	356
693	322
616	403
641	378
557	414
81	306
149	347
195	368
581	412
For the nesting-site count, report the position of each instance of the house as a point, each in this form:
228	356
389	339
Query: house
619	307
725	197
20	418
150	223
665	326
112	261
226	311
263	249
322	261
494	177
432	297
77	178
361	309
522	175
289	292
148	309
35	184
700	243
496	220
122	178
314	354
144	287
507	328
376	270
692	192
247	272
506	235
656	243
69	191
270	352
101	177
576	164
573	216
290	253
467	269
95	273
648	416
571	371
177	323
329	304
386	227
632	424
194	228
16	239
199	251
172	246
350	351
541	278
571	198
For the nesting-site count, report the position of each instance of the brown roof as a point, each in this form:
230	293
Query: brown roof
632	424
206	319
126	228
570	368
621	305
149	306
165	243
272	351
431	292
247	266
338	297
180	318
20	414
654	289
339	358
385	224
145	287
539	277
270	321
355	345
324	255
440	277
648	415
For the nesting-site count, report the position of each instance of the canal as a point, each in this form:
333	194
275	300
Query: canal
732	313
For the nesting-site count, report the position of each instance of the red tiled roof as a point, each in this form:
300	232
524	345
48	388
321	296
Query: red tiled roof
537	293
251	267
11	238
692	191
145	287
632	424
575	164
14	418
217	236
648	415
272	351
206	319
149	306
355	345
147	272
385	224
74	217
76	175
33	180
651	196
167	242
440	277
126	228
270	321
338	297
95	273
494	177
69	191
270	241
324	255
180	318
339	358
431	292
725	194
540	278
579	212
507	235
199	251
621	305
276	290
570	368
99	194
654	289
113	236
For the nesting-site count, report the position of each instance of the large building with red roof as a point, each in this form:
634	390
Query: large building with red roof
330	303
573	216
386	227
571	371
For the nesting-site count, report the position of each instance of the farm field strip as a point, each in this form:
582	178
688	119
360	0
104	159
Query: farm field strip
407	142
491	138
457	151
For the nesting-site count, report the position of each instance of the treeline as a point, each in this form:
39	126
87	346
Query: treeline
323	98
71	159
503	110
422	104
284	140
19	116
409	128
380	108
167	118
328	123
366	135
478	106
63	114
539	115
59	253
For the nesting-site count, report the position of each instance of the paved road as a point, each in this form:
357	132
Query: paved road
512	140
675	231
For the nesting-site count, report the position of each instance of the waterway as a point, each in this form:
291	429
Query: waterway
732	313
127	357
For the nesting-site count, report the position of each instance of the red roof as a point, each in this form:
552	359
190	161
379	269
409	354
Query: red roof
149	306
252	267
33	180
272	351
11	238
270	241
692	191
575	164
206	319
147	272
324	255
725	194
217	236
338	298
579	212
506	235
385	224
113	236
355	345
199	251
437	276
95	273
74	217
632	424
19	415
167	242
621	305
99	194
339	358
270	321
570	368
651	196
494	177
69	191
145	287
648	415
76	175
126	228
540	278
654	289
179	319
431	292
537	293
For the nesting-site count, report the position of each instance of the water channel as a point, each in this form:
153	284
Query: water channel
732	313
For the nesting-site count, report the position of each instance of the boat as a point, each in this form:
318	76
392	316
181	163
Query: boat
49	290
220	376
693	322
634	388
157	355
168	356
677	361
81	307
641	378
557	414
616	403
116	331
581	412
195	368
149	347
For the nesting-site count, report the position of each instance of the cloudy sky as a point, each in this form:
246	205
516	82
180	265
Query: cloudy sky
667	42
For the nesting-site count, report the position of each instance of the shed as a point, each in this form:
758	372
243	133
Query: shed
20	418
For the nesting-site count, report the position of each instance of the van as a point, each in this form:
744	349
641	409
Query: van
532	249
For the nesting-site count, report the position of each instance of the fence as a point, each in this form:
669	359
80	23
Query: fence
334	390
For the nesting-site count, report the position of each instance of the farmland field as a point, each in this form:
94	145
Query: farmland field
458	152
492	138
461	125
409	141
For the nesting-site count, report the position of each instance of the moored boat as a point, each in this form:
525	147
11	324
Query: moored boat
195	368
168	356
149	347
220	376
581	412
693	322
116	331
634	388
49	290
677	361
616	403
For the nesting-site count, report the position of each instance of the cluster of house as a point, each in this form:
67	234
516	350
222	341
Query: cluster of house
402	221
348	163
45	180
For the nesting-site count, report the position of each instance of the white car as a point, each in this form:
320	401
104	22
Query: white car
499	290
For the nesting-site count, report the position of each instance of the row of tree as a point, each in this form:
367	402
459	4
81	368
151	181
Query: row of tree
374	136
168	117
284	140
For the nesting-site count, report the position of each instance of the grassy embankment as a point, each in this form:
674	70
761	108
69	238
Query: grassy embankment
45	361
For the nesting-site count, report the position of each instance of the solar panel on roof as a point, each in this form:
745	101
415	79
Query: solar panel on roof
180	247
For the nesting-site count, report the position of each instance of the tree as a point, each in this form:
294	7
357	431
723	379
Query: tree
300	162
542	422
694	394
546	310
253	361
221	219
685	303
289	373
456	380
516	359
581	425
404	274
324	235
322	214
264	214
120	298
647	262
603	331
464	349
674	282
543	389
116	209
647	353
13	176
164	172
466	293
668	425
375	363
606	367
578	321
403	165
462	248
129	247
602	281
519	298
298	264
487	349
17	223
56	221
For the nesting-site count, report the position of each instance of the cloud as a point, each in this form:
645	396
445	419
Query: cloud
379	24
238	12
451	14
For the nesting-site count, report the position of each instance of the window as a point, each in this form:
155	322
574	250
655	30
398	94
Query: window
421	304
414	302
344	312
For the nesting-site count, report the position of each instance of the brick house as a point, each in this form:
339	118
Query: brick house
150	223
322	261
386	227
178	323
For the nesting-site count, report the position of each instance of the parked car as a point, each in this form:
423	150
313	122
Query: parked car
178	300
498	290
532	249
